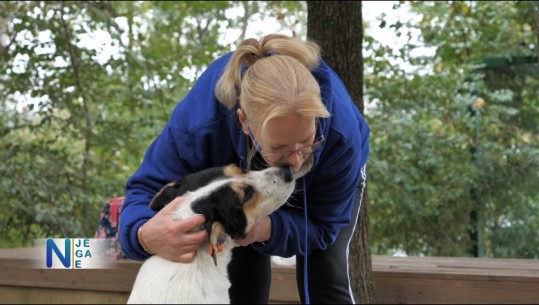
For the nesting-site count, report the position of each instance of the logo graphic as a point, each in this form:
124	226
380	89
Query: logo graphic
73	253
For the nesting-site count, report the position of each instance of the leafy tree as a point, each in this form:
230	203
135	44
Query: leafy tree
455	146
76	121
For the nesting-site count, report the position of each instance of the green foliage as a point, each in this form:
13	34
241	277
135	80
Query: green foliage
75	121
454	158
455	153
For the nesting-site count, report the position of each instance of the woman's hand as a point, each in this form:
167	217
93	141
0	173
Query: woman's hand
173	240
260	232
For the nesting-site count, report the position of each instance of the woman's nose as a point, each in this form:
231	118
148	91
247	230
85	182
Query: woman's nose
295	161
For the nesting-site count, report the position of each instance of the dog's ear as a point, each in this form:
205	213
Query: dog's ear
189	182
218	238
165	196
223	206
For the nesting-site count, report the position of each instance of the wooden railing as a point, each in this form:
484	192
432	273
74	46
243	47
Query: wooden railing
432	280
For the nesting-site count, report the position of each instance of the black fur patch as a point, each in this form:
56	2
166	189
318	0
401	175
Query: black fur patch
223	205
226	207
190	182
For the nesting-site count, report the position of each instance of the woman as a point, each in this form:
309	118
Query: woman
272	102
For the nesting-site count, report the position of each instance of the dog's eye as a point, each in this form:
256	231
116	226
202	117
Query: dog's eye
248	192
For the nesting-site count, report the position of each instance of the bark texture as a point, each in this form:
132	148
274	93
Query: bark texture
337	27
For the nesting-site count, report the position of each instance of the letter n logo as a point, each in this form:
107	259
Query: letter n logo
65	257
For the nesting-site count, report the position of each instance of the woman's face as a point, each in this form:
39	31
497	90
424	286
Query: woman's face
286	142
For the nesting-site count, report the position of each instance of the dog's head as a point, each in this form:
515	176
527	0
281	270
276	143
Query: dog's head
231	200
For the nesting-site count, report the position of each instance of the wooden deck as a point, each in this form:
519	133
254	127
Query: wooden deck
433	280
451	280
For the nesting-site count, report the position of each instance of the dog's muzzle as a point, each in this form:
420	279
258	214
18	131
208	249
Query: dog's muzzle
287	174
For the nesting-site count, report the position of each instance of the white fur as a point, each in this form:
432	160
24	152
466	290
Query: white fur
201	281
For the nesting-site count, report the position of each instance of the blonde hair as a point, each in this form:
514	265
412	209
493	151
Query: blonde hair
277	80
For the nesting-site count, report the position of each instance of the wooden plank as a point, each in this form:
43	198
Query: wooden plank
526	267
19	272
34	295
283	285
16	271
451	280
397	280
489	269
393	290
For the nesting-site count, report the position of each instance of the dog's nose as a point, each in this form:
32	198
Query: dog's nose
287	173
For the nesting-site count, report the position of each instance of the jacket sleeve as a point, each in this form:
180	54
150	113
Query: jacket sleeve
153	173
187	143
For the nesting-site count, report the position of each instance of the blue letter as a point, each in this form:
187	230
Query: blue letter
66	260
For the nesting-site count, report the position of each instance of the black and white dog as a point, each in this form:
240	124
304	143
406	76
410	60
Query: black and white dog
232	201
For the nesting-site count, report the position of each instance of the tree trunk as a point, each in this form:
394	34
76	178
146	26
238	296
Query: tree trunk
337	28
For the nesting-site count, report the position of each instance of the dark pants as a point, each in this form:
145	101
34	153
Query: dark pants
250	275
328	274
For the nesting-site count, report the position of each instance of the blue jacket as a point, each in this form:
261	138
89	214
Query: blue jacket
203	133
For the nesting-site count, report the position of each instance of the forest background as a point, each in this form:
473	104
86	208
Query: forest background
454	162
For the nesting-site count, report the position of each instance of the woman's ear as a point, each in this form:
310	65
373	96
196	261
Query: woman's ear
243	121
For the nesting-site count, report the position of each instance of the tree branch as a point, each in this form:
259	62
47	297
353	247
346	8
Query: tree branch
75	64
